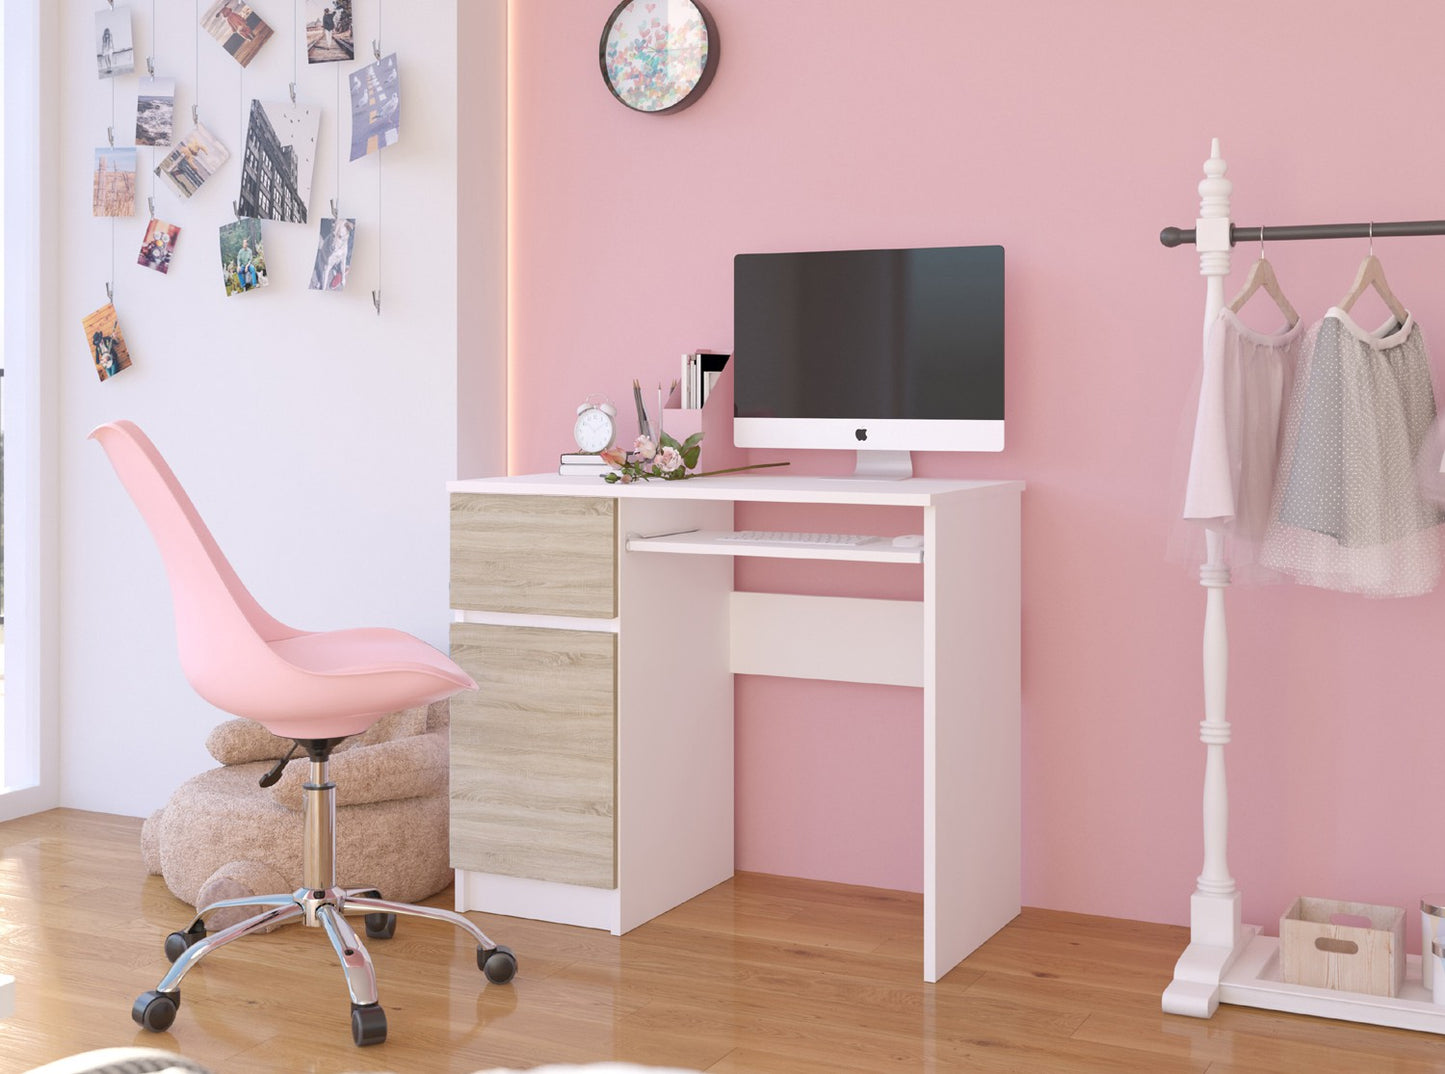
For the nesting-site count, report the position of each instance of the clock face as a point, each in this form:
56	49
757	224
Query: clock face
658	55
594	430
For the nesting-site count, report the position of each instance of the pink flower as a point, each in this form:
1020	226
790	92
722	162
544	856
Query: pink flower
644	447
669	459
615	458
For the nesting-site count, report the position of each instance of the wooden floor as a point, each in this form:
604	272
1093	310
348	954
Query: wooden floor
760	974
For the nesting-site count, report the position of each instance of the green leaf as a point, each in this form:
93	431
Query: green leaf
690	456
667	441
611	479
692	441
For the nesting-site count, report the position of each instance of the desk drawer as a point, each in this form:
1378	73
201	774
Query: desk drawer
543	555
534	754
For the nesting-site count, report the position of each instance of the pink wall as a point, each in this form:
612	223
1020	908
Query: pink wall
1070	133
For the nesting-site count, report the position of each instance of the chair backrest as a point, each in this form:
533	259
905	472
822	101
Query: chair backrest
221	631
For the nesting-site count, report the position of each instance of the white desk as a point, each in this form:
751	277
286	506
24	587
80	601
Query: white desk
592	779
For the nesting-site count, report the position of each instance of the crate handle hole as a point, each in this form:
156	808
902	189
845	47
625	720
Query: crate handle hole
1351	921
1337	947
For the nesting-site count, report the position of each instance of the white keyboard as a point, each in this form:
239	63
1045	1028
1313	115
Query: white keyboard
784	537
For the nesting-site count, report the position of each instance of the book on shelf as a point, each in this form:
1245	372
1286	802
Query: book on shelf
582	458
700	371
568	469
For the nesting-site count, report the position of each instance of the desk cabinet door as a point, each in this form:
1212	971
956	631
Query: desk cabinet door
534	754
543	555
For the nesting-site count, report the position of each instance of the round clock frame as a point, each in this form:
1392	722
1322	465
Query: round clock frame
636	73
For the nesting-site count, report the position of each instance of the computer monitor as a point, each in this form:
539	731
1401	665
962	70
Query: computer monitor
884	352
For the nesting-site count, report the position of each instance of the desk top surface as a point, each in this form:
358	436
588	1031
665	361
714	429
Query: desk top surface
758	487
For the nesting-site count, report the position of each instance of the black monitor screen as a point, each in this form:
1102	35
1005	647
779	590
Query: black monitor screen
912	334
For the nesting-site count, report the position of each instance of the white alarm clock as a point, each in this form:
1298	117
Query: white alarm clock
596	426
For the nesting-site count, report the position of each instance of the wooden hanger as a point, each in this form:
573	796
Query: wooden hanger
1372	274
1261	274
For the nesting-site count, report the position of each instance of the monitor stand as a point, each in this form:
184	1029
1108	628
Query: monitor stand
884	465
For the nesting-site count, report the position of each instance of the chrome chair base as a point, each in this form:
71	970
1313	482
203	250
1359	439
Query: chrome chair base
318	904
325	909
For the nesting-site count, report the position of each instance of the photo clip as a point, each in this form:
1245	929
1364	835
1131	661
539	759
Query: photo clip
236	209
376	301
110	134
334	214
151	66
109	292
195	113
151	204
376	48
293	92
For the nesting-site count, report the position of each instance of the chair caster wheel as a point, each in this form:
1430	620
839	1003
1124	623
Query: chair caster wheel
499	964
368	1024
178	942
380	926
156	1010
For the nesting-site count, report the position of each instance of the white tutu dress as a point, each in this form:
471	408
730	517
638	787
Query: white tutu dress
1348	512
1234	451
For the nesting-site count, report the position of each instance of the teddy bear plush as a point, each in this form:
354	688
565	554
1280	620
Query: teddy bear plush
223	836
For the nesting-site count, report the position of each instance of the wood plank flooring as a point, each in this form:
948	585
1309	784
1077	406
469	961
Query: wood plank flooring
759	974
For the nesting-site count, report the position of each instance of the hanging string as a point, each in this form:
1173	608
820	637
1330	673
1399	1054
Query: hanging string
196	105
380	261
110	137
337	157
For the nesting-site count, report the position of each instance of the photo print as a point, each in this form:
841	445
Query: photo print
279	159
333	253
240	31
113	185
328	31
114	51
158	245
194	160
155	106
243	257
375	107
107	345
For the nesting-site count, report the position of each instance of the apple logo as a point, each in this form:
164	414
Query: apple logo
861	434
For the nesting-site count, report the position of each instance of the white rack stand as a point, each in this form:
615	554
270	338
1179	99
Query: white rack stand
1227	961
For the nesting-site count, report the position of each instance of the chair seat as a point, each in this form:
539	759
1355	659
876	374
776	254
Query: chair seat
395	670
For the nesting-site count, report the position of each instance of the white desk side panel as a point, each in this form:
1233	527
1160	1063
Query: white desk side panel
675	714
971	752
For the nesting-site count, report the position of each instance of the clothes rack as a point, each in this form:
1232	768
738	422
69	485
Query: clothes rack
1227	961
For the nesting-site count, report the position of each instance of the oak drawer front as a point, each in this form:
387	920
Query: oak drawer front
534	755
544	555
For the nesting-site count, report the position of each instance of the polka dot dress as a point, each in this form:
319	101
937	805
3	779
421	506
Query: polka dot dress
1347	511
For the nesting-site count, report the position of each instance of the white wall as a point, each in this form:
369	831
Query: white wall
314	436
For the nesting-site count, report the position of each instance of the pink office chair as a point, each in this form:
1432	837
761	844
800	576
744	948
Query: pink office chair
316	688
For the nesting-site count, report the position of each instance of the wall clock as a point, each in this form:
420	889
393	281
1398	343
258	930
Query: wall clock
658	55
596	426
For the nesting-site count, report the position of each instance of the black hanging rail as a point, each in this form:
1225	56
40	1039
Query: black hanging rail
1175	236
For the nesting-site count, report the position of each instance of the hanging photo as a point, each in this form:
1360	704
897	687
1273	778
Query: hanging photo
107	345
333	254
375	107
114	52
194	160
240	30
277	165
158	245
328	31
113	186
243	257
155	106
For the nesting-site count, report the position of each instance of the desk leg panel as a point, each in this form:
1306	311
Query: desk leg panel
971	780
675	713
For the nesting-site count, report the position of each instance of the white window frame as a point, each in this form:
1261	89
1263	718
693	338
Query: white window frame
32	740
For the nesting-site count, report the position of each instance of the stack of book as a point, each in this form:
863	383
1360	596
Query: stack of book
582	464
700	371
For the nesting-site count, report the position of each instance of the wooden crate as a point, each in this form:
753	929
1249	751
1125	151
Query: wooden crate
1349	956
